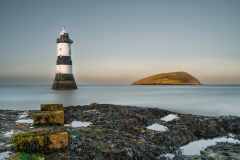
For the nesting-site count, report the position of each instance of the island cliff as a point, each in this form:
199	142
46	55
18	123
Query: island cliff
172	78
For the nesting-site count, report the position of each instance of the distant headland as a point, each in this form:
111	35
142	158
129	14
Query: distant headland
171	78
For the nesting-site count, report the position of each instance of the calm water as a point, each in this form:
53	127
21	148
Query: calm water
205	99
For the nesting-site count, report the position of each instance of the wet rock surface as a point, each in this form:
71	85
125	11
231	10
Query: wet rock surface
9	127
127	134
120	132
223	150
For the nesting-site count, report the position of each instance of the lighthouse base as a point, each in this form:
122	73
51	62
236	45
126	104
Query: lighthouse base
64	85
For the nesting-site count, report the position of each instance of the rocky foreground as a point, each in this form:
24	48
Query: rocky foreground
120	132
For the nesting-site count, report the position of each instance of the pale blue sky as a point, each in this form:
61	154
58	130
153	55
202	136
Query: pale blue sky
118	42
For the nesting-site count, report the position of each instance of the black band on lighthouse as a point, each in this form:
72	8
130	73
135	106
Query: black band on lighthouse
64	77
64	58
64	41
67	62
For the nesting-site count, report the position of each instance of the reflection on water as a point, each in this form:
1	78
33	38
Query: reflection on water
64	95
80	124
205	100
25	121
169	117
196	146
157	127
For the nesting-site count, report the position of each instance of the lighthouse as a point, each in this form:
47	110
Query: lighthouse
64	78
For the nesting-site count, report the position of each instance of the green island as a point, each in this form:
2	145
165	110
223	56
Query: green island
171	78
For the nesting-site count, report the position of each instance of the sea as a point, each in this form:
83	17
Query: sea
208	100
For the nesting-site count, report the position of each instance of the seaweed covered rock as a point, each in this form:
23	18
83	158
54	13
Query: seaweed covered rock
222	150
230	123
127	136
25	156
123	132
51	107
42	140
200	126
45	118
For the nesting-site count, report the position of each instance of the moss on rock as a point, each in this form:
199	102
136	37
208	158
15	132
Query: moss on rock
51	107
45	118
25	156
41	140
58	140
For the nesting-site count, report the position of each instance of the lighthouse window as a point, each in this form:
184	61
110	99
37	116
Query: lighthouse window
60	49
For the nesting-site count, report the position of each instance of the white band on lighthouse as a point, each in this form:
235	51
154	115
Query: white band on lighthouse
63	49
64	69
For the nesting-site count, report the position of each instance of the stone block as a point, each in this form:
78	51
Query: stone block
42	140
51	107
45	118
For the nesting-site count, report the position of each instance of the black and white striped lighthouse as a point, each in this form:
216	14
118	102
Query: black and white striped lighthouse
64	78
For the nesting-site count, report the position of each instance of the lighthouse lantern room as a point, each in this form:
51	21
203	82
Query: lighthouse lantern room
64	78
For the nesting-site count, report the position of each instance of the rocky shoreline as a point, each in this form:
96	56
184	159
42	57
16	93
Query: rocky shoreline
121	132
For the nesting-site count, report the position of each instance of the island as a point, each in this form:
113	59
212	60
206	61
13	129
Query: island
171	78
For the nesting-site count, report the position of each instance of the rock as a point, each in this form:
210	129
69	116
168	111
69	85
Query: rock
51	107
222	150
172	78
220	120
41	140
143	131
93	104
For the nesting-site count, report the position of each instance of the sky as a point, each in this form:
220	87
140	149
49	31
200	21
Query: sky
120	41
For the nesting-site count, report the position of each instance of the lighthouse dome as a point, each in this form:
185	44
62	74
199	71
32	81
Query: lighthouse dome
64	37
63	31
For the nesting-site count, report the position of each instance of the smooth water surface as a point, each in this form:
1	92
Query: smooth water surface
30	121
195	147
157	127
169	117
80	124
204	99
